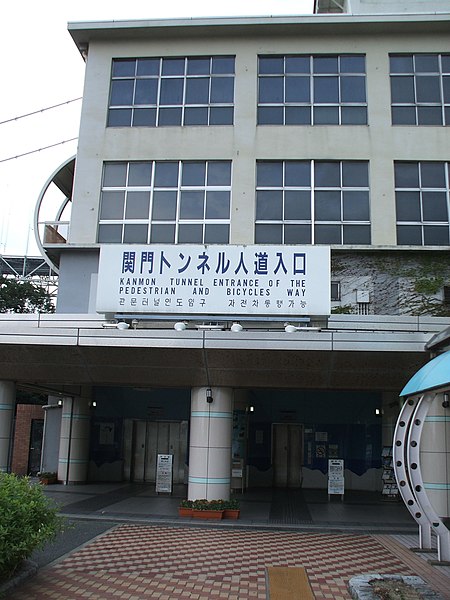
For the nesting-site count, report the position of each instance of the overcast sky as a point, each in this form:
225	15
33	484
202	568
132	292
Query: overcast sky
41	67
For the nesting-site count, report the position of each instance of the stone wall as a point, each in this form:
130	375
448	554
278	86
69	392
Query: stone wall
394	283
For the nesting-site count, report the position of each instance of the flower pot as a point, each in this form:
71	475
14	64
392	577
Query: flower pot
184	511
47	480
207	514
231	513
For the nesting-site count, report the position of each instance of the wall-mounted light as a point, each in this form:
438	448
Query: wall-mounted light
60	402
251	408
180	326
378	412
122	325
446	401
290	328
236	327
209	396
293	328
93	404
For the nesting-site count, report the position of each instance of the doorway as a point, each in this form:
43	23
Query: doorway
151	438
35	450
287	455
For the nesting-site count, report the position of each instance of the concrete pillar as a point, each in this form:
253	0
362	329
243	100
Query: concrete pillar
74	440
7	406
435	456
210	444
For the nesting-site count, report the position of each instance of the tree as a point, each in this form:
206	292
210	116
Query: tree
23	297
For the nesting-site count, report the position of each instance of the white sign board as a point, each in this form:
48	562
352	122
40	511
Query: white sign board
164	473
336	476
214	280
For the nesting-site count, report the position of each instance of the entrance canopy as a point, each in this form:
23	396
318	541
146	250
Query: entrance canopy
434	374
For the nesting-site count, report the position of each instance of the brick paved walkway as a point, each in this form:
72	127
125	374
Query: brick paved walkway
135	562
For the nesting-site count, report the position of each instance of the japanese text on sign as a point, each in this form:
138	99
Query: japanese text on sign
214	279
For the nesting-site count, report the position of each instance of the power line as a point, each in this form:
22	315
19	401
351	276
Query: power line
37	150
39	111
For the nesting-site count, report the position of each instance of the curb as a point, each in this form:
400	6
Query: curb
242	523
27	569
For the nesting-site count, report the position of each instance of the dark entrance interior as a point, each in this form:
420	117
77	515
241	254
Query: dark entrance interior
292	434
35	450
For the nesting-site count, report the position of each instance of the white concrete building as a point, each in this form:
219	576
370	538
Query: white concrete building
221	163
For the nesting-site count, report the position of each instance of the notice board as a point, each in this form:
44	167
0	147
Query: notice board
335	476
164	471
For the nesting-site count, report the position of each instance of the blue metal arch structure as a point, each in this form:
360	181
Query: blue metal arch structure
430	384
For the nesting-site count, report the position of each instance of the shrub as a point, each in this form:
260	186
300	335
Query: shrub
232	504
203	504
28	519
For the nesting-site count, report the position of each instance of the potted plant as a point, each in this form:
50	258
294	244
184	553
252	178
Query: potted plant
231	509
207	509
185	508
47	477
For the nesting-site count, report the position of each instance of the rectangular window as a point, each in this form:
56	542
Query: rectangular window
312	202
165	202
312	90
422	203
335	291
447	295
420	89
156	92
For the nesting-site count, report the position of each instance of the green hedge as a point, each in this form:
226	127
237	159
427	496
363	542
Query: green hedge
28	519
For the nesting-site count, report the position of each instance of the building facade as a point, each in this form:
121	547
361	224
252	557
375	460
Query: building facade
252	248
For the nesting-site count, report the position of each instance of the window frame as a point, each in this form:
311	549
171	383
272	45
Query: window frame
161	113
342	225
335	291
287	109
414	111
176	187
422	225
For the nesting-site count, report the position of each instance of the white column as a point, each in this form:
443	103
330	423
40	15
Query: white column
74	440
7	405
210	444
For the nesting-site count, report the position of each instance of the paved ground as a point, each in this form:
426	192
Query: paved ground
77	533
136	562
360	511
140	549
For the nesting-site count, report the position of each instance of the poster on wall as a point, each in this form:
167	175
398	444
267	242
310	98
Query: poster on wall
106	434
214	280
